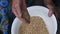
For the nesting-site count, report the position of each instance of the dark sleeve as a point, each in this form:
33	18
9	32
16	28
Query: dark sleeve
38	2
56	2
29	2
34	2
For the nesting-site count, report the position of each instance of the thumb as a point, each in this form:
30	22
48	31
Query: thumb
50	13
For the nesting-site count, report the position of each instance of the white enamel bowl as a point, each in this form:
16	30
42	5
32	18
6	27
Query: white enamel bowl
41	11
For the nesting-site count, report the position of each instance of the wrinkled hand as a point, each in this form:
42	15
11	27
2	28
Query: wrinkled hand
55	12
18	7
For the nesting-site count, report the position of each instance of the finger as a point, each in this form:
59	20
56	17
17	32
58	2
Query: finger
15	12
24	9
18	10
24	6
14	8
16	5
57	14
50	13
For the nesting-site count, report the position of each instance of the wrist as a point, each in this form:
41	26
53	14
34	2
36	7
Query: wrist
50	6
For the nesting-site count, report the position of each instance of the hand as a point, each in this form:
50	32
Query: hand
55	12
52	10
18	7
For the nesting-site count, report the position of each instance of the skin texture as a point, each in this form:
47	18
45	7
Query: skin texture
49	4
52	10
19	6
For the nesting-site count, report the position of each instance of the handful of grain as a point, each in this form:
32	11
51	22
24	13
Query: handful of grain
36	26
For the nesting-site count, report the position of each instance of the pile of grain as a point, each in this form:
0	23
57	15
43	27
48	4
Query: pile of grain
36	26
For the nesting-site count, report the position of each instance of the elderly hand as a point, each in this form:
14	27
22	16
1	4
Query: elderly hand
53	10
19	9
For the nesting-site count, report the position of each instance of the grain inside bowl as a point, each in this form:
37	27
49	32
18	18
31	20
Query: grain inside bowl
36	26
